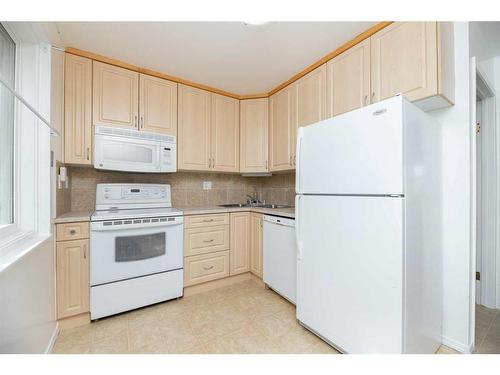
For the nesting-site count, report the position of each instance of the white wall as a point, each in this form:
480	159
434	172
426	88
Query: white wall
456	169
27	313
27	286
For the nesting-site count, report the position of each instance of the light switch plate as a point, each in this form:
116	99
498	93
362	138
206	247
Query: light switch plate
207	185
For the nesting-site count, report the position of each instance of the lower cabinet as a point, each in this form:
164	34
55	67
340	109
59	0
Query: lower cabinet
239	243
206	267
256	244
72	274
221	245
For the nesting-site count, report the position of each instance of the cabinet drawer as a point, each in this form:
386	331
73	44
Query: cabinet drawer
72	231
197	221
201	268
206	240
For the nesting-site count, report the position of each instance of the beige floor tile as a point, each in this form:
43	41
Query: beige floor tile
446	350
145	334
116	344
109	327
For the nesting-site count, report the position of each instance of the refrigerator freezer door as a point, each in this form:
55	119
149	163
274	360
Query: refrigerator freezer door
350	271
360	152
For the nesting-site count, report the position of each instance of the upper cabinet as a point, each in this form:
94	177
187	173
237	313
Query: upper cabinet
310	97
77	110
127	99
225	134
348	80
208	130
157	105
300	104
193	151
115	96
254	129
281	130
415	59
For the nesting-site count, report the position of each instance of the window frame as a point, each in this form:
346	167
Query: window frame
32	172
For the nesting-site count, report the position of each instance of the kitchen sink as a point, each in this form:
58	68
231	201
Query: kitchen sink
231	205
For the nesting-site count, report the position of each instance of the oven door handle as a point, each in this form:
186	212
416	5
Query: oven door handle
99	227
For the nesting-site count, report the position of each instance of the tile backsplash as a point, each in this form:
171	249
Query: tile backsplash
187	187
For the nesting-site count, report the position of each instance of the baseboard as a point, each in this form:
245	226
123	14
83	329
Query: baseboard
458	346
53	339
214	284
74	321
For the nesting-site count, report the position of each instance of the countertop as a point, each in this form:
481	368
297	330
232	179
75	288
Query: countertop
74	216
285	212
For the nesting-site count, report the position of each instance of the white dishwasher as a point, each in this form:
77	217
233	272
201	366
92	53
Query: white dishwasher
280	256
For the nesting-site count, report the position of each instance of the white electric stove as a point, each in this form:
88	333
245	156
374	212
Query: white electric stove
136	248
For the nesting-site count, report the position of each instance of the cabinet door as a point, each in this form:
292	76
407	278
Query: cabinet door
77	110
280	130
256	244
310	98
404	60
115	96
254	129
193	129
348	80
239	243
157	105
225	134
72	277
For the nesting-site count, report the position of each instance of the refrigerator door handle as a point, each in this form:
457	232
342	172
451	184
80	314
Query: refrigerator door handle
297	164
297	227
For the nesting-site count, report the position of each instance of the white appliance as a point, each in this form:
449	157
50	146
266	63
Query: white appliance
280	256
134	151
136	248
368	222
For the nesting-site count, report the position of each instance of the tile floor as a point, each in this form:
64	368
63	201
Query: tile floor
241	318
487	330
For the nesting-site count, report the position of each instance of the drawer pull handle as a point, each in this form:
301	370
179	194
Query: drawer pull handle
208	220
212	240
72	232
208	268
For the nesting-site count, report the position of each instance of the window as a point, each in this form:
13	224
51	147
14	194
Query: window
7	64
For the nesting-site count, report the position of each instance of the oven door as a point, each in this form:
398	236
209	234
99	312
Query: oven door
127	154
126	249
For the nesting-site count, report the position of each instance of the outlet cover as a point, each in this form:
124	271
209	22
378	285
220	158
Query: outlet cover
207	185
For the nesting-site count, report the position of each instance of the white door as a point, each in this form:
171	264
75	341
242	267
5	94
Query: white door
360	152
350	270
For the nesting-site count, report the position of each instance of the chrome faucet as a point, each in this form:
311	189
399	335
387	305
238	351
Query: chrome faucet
254	200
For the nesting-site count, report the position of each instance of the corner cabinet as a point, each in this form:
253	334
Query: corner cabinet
254	128
239	243
208	130
415	59
256	255
115	96
77	110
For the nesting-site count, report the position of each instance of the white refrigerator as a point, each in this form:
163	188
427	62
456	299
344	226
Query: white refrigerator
368	229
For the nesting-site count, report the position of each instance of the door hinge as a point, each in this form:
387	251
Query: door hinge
478	127
478	276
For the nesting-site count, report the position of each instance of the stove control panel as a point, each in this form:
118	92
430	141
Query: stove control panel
132	196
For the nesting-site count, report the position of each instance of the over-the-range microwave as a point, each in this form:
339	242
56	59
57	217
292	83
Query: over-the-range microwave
119	149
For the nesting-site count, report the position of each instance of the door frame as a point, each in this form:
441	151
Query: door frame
478	85
490	174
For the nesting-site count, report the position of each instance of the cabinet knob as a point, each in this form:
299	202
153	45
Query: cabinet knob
72	232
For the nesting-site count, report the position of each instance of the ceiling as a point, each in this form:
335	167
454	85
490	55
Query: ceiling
232	56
